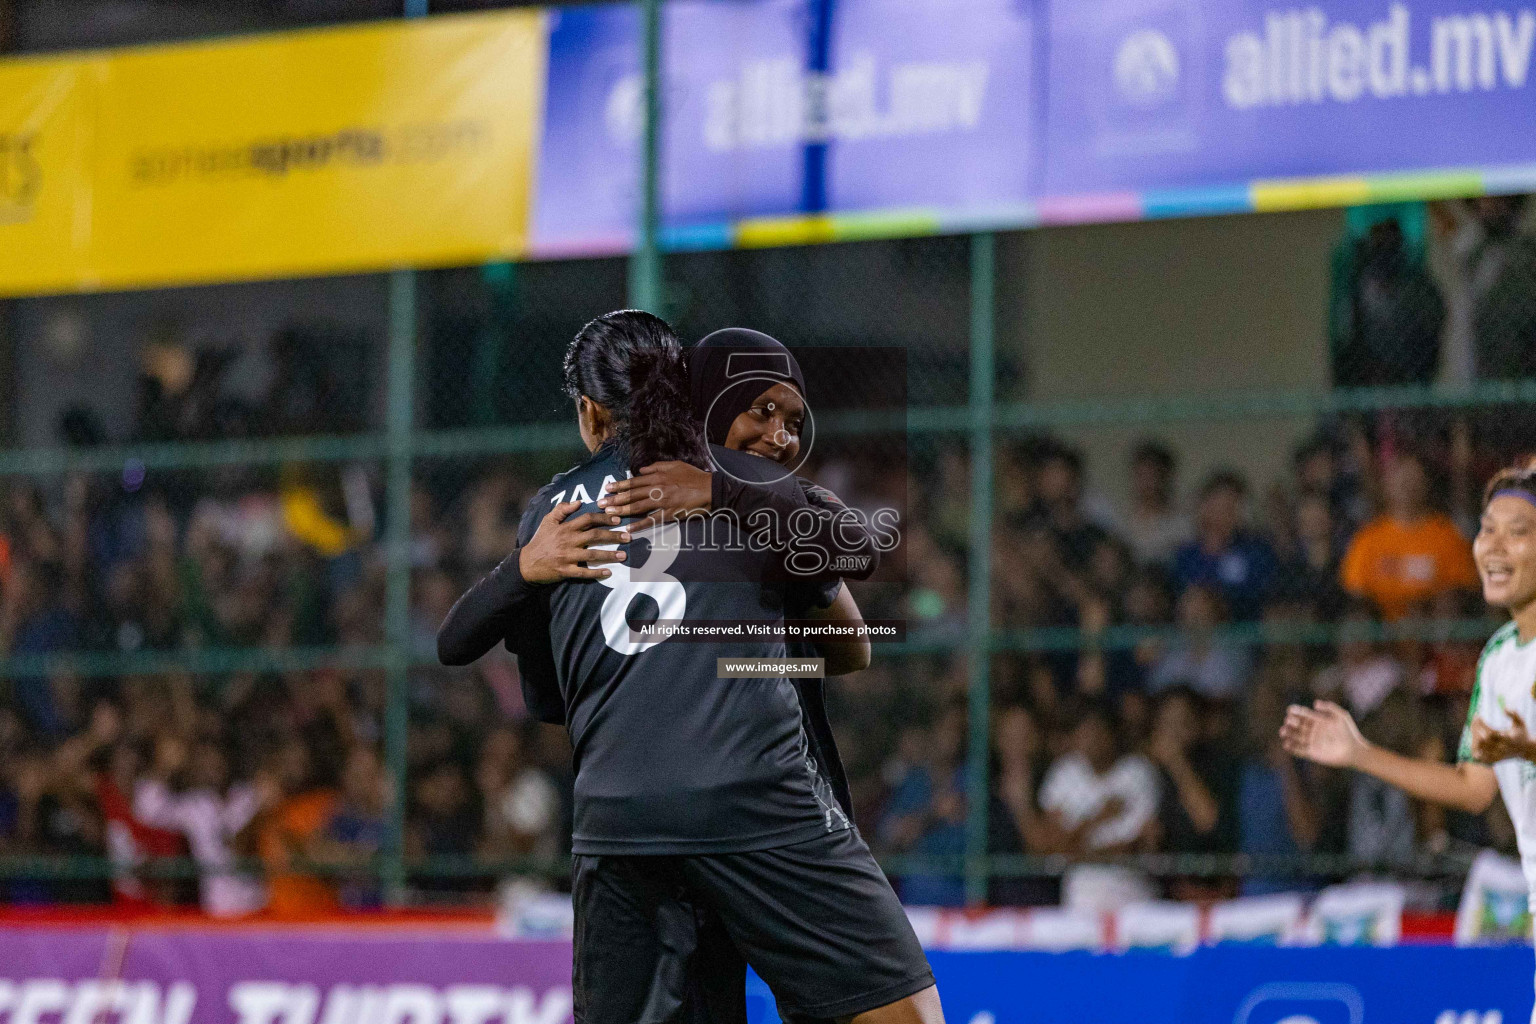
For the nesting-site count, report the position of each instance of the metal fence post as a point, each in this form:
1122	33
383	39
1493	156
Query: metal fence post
398	425
645	264
979	569
397	548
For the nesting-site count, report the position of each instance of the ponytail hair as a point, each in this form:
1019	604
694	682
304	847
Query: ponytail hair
1516	478
631	363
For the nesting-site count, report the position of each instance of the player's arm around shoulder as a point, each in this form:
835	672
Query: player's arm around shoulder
553	545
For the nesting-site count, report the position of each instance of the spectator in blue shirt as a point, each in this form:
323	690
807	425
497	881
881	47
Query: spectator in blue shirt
357	827
1279	814
926	811
1223	554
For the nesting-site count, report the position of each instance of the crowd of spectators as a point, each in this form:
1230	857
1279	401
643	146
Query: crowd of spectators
1161	738
272	782
1150	741
1165	740
242	767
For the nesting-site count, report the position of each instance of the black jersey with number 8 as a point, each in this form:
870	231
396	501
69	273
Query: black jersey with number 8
671	759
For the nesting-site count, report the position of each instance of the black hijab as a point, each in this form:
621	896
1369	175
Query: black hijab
726	372
729	369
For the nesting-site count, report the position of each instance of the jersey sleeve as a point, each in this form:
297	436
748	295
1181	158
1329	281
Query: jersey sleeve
838	533
1464	748
484	614
806	595
527	635
528	638
802	597
502	607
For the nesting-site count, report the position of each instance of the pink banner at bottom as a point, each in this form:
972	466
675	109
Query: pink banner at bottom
255	976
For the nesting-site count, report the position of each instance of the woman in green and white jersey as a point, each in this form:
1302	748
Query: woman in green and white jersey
1498	752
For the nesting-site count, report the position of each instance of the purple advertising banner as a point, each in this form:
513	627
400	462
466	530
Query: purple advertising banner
776	108
190	976
1158	94
939	108
178	976
728	70
71	954
789	121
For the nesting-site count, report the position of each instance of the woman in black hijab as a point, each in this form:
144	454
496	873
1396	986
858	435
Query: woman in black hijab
750	393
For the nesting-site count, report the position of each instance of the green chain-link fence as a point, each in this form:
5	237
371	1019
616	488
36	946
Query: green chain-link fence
492	427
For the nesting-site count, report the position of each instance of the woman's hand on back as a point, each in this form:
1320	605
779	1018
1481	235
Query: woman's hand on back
559	546
660	491
1490	745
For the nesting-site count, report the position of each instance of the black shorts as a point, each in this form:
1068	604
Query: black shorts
663	939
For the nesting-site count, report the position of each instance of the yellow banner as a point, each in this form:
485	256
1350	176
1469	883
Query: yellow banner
46	123
317	152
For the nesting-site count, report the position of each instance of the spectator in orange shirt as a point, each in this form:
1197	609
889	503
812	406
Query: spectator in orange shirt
1411	554
286	835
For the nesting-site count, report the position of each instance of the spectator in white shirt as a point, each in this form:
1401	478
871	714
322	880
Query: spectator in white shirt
190	792
1101	800
1154	528
522	809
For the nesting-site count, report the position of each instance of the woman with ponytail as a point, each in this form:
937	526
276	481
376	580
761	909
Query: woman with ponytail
696	795
628	375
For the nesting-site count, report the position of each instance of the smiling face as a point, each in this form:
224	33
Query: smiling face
771	426
1505	552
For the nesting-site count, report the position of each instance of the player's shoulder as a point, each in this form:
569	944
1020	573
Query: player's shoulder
743	464
1504	638
582	482
753	469
545	496
579	482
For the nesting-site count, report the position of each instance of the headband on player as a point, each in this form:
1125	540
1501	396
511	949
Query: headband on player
1514	492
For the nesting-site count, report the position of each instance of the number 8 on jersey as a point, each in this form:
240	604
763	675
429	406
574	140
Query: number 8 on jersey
650	579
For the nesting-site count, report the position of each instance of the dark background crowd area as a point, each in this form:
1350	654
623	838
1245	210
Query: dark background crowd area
1177	735
1161	740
